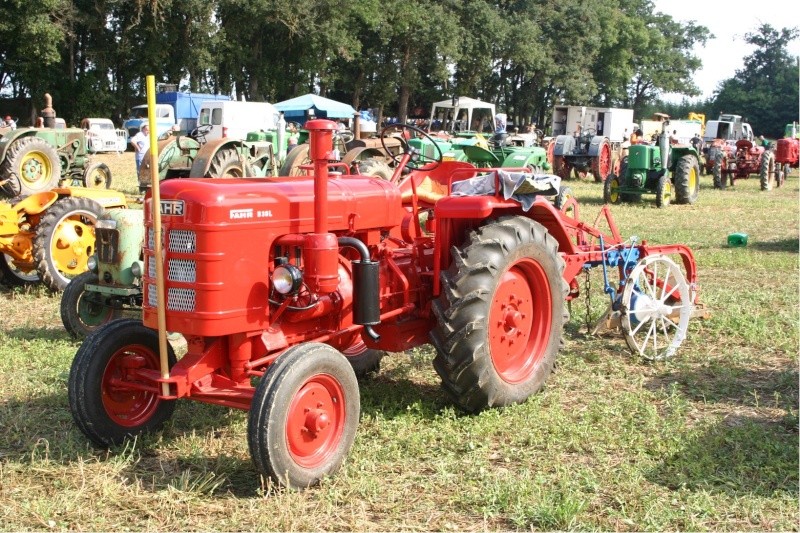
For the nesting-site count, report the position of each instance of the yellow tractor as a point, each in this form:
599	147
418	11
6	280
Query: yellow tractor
49	236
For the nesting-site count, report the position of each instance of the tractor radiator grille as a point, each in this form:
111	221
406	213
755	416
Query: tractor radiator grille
107	243
177	299
183	241
182	270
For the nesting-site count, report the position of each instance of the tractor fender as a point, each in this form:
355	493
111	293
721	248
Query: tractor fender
363	152
36	203
678	152
164	153
564	145
9	138
207	152
594	146
107	198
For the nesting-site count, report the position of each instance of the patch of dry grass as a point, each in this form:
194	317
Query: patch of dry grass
706	441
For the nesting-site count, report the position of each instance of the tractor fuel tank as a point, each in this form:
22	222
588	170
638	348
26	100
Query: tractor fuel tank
218	236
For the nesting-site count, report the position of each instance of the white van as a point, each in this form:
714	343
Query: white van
102	136
234	120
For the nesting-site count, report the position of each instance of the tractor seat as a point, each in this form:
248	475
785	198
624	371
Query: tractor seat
521	186
481	157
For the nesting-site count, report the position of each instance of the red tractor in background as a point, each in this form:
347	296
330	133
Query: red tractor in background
787	153
737	162
281	286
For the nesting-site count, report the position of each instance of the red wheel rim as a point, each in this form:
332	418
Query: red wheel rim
520	320
551	146
316	420
125	406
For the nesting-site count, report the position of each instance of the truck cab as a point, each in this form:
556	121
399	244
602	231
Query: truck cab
165	119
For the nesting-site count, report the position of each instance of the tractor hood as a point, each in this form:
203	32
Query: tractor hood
279	205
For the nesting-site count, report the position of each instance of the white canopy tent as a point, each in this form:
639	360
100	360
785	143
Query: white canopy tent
461	103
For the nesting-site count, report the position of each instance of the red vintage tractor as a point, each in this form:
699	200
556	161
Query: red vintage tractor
732	164
282	285
787	153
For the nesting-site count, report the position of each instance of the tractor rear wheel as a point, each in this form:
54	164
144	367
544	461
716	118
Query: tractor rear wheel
611	194
767	170
31	165
294	160
83	312
65	240
228	164
601	165
12	275
687	180
663	191
718	171
500	315
374	167
304	415
105	409
364	360
97	176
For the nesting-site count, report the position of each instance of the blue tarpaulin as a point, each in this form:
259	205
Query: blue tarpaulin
294	110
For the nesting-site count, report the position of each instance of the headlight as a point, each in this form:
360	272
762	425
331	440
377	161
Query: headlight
137	269
287	279
106	223
91	263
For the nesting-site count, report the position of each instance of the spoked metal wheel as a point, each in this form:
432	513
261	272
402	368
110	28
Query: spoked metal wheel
656	306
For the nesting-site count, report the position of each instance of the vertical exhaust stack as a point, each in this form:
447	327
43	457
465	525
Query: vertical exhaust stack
321	247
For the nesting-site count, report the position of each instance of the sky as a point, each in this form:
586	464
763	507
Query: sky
728	22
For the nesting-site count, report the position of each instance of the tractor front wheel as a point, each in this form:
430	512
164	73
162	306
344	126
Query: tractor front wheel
83	312
364	360
561	167
65	240
611	194
375	167
718	171
97	176
31	165
108	400
304	415
767	170
687	182
500	315
228	164
12	275
663	191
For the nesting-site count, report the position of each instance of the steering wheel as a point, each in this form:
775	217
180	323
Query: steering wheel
589	132
418	160
346	136
200	131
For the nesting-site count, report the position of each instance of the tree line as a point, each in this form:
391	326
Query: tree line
395	56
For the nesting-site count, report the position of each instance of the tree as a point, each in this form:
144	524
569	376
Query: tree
765	89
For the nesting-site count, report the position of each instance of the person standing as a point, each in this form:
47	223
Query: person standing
141	143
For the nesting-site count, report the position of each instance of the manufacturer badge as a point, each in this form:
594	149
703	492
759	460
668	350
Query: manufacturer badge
172	207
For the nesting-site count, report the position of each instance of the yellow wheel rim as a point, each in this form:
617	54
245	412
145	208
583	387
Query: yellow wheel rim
35	168
614	191
96	179
73	244
692	180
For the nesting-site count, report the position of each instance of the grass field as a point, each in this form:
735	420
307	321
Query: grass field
705	441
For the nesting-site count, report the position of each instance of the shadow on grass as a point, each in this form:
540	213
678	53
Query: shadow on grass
783	245
748	452
744	387
39	334
737	457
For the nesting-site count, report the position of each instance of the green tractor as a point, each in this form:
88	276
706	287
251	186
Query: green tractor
112	285
644	171
500	154
34	160
182	156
